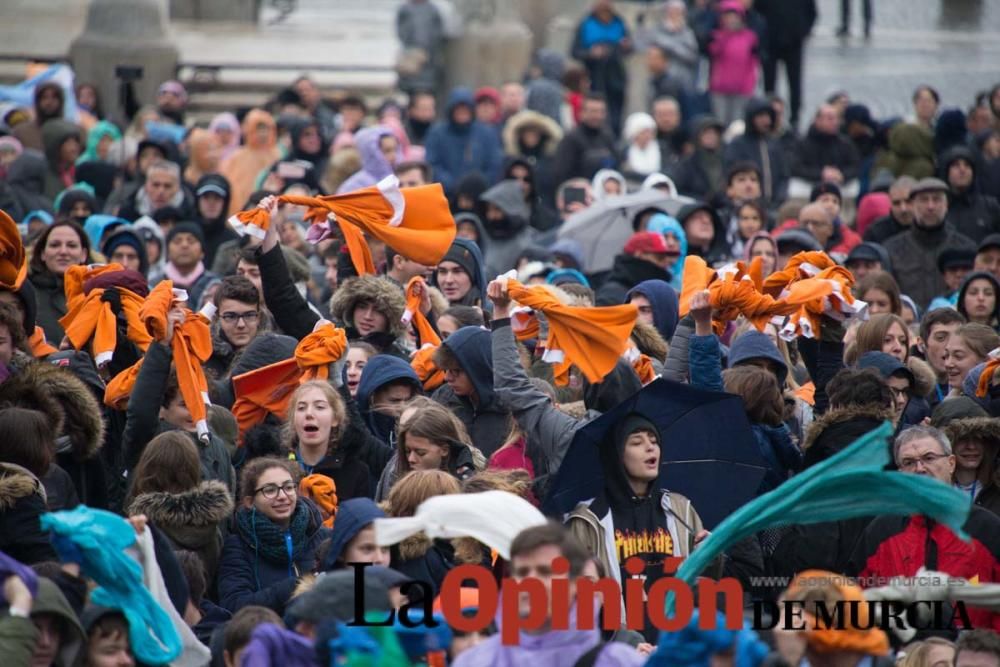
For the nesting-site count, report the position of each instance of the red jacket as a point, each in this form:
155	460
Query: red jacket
894	546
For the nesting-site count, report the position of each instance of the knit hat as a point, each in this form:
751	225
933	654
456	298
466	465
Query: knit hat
567	276
187	228
124	235
463	257
827	188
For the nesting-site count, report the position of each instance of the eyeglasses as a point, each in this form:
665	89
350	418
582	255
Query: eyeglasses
900	393
249	317
926	460
270	491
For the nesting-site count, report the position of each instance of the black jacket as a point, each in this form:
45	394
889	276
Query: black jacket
914	259
883	228
50	299
22	502
216	231
627	272
582	152
762	151
817	150
788	23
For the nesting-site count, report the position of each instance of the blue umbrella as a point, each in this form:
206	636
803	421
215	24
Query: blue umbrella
709	453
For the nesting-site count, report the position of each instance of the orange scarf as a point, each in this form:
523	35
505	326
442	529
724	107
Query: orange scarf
40	348
323	491
89	317
820	286
416	222
525	324
119	388
592	339
641	363
425	332
13	264
269	388
872	641
989	371
191	346
422	362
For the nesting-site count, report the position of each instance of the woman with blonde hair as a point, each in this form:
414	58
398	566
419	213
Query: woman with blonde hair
418	556
931	652
314	438
428	437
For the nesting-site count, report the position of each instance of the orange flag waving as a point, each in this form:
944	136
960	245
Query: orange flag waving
416	222
191	345
592	339
269	388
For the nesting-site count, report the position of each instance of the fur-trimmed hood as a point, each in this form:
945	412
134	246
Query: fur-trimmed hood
68	403
466	549
924	377
191	518
388	300
838	428
16	483
650	342
984	429
552	134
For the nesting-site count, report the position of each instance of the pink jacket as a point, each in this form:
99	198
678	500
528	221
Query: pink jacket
734	62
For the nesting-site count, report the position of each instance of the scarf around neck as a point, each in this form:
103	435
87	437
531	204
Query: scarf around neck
180	279
268	538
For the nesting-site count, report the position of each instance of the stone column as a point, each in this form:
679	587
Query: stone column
124	32
495	45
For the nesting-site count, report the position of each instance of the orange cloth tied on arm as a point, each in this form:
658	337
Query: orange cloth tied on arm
90	317
416	222
191	346
269	388
413	313
591	339
13	264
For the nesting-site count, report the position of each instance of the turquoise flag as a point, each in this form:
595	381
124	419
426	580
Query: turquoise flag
849	484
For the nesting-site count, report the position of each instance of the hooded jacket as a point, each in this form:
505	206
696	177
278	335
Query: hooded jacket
627	272
22	502
910	152
216	231
245	164
540	157
353	516
55	133
374	166
388	301
485	419
472	261
661	223
74	414
509	237
26	177
545	95
663	300
818	149
583	152
454	150
762	151
381	370
194	520
126	235
974	214
986	431
980	275
718	251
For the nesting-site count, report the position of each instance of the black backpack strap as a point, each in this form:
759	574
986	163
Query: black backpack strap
589	659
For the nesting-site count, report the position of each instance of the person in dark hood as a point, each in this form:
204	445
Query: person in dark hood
460	275
706	233
379	150
77	204
534	137
971	213
979	299
657	304
420	113
908	407
387	383
466	359
460	145
212	194
126	247
469	189
506	222
633	509
644	258
353	536
701	174
370	308
545	93
50	102
756	145
26	177
63	143
524	170
588	147
309	145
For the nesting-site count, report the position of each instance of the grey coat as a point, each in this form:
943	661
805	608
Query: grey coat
676	368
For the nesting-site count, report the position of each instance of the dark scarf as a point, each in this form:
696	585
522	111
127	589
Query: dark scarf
268	538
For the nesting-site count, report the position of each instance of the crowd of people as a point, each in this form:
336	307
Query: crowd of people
227	361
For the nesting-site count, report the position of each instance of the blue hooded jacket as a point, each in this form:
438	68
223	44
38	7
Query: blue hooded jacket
352	517
381	370
663	299
99	223
661	223
454	150
756	345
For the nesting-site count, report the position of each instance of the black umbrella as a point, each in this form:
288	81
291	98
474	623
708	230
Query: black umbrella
709	453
